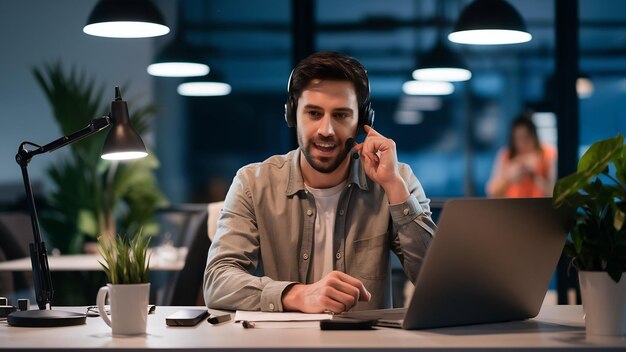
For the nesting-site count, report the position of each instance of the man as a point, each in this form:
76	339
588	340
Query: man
311	230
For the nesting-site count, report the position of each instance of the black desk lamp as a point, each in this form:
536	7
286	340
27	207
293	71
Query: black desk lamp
121	143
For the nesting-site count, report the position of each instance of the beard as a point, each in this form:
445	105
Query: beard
324	165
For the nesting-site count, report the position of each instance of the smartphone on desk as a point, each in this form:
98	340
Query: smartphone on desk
188	317
337	323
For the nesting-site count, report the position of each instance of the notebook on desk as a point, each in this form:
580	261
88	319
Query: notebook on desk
491	261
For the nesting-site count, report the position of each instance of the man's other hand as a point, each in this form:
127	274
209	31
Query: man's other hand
380	162
337	292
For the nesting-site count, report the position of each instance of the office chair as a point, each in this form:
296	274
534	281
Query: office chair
10	248
189	279
187	290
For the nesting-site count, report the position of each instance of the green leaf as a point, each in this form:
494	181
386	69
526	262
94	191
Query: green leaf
87	222
577	239
599	154
618	219
594	162
567	186
620	166
125	259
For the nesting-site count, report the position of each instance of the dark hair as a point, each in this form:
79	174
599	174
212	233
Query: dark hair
523	121
334	66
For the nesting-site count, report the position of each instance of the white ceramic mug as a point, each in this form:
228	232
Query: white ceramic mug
129	307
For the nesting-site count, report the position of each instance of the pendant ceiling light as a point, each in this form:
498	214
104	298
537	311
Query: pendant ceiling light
442	64
177	59
125	19
207	86
427	88
490	22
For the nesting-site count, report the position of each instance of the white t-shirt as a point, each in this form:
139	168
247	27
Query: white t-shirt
326	200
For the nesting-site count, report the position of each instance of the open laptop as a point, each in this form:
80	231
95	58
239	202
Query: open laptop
491	260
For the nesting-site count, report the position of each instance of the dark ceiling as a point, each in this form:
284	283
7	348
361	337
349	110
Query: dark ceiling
250	41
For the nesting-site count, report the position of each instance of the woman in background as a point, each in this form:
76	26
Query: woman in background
525	168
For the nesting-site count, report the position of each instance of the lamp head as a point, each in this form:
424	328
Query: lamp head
122	142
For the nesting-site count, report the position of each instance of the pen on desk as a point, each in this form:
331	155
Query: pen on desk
218	319
247	324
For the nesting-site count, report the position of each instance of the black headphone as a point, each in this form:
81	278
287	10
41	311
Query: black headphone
366	113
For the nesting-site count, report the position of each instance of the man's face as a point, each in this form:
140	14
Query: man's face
327	116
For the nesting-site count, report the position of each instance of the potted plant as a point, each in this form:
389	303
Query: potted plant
92	196
126	267
598	237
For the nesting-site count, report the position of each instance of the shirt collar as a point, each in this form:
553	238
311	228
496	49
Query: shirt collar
295	184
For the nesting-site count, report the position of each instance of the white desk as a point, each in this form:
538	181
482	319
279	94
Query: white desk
89	262
556	328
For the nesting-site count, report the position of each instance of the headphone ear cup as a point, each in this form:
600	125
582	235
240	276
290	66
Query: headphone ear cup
367	120
367	117
290	117
370	117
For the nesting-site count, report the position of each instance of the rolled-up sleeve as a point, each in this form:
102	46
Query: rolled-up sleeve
229	280
412	226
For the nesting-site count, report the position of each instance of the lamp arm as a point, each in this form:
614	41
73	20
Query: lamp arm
24	155
38	253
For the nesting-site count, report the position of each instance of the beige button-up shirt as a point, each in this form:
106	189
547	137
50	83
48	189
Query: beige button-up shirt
265	232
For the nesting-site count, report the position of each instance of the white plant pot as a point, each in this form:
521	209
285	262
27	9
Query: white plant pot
129	308
604	303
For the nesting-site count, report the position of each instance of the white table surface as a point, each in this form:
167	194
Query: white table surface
89	262
556	328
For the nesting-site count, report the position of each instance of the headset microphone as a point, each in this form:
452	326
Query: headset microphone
350	143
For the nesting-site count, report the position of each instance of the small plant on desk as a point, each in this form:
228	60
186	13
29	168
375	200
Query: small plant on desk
126	266
126	260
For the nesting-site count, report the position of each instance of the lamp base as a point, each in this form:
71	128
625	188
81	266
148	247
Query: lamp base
45	318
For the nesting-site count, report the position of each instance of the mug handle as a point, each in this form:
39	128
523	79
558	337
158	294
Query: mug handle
100	299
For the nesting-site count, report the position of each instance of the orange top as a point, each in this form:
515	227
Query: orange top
525	186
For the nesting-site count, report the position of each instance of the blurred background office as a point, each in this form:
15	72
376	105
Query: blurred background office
450	137
450	140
